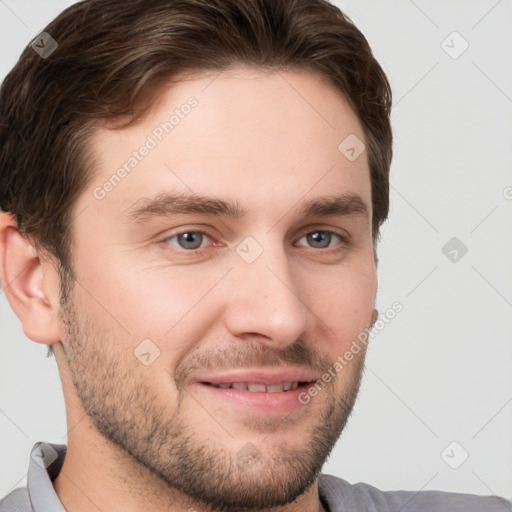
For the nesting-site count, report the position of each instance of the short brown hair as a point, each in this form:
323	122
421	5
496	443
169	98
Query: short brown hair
112	53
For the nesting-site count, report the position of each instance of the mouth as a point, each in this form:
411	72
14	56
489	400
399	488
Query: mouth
255	387
258	393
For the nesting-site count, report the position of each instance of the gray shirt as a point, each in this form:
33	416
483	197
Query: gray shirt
336	494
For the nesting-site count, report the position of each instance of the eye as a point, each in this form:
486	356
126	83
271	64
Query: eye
321	239
192	241
188	240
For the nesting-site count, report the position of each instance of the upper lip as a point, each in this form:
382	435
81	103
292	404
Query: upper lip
255	376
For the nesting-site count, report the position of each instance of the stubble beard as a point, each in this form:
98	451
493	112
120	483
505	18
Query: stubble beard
115	392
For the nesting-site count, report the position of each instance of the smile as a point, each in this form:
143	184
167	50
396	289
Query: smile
257	388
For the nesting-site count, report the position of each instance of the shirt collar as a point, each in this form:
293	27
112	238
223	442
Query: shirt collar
45	464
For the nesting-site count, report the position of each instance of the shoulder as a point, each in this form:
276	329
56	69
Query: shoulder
16	501
363	497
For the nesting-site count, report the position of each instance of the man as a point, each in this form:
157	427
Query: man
192	196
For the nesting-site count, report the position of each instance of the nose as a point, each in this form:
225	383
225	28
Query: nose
265	300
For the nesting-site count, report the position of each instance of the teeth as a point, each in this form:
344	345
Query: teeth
275	388
259	388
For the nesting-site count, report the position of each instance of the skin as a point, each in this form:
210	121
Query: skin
269	141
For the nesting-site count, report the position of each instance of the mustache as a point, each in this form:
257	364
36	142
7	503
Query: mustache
254	354
249	355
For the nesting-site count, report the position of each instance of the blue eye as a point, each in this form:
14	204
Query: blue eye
321	239
190	240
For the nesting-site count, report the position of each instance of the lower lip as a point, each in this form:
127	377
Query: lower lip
259	403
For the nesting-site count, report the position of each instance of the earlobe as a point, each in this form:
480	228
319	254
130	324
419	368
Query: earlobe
23	282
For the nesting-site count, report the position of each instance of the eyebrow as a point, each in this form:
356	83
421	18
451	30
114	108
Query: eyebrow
166	204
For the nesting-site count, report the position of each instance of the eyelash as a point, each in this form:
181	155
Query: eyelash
344	241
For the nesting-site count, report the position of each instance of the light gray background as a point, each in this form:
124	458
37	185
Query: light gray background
441	370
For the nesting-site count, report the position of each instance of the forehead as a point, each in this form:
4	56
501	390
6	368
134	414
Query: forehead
246	134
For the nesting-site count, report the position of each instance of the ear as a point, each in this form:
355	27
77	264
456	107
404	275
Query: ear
375	316
30	289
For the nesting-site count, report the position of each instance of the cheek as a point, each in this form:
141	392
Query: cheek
170	306
344	300
345	314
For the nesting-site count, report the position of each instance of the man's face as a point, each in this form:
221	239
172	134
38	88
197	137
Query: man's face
169	305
